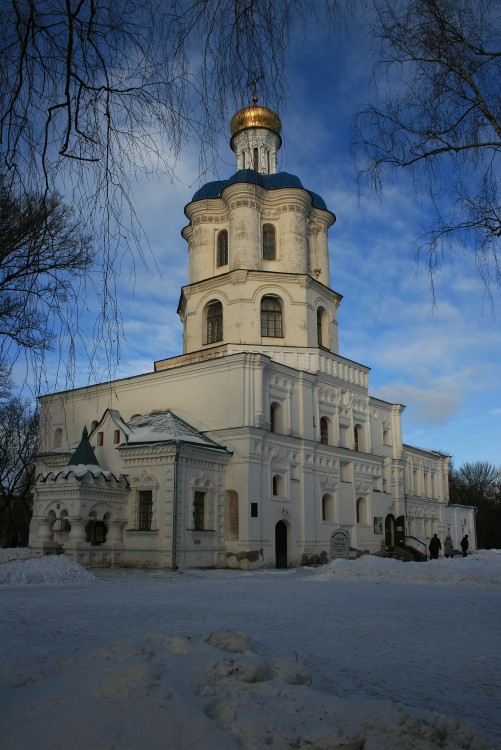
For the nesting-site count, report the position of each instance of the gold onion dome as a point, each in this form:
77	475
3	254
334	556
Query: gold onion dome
255	117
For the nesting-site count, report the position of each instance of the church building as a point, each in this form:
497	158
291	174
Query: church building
260	444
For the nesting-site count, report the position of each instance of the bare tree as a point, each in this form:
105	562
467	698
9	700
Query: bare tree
479	484
436	113
94	94
18	447
43	254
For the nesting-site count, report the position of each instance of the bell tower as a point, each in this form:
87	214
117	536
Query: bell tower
258	252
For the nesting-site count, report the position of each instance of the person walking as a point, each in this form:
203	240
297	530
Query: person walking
448	548
464	544
434	546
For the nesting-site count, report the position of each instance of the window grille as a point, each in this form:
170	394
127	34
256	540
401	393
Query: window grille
222	248
269	250
145	510
271	317
198	511
214	322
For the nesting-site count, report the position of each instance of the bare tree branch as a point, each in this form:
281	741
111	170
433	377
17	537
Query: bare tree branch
94	94
436	112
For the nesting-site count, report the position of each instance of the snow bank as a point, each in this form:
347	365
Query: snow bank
482	568
20	569
220	693
209	659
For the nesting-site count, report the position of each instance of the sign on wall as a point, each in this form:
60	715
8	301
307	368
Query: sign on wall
378	524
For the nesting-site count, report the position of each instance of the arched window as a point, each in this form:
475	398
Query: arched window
214	322
361	510
271	317
356	438
269	249
255	159
322	328
58	438
222	248
324	431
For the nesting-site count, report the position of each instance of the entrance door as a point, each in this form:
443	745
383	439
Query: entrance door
281	545
389	530
400	531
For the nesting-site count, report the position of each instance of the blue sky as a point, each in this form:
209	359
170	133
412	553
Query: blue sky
441	358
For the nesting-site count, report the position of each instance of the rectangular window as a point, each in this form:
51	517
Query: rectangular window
214	322
253	510
116	437
145	510
198	511
269	242
324	431
271	317
100	438
345	471
222	248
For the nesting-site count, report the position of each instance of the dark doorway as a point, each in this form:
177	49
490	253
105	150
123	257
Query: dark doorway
400	531
389	530
281	545
95	532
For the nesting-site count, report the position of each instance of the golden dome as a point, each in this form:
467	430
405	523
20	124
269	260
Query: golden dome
255	117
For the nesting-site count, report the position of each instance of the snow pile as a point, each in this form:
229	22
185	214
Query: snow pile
53	569
219	693
482	568
221	659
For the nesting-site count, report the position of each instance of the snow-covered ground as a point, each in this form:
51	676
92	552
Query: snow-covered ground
369	654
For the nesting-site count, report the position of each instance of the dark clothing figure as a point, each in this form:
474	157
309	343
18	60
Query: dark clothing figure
464	544
435	546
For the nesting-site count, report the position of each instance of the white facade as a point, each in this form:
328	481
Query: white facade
258	442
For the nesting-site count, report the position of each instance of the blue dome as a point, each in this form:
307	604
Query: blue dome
266	181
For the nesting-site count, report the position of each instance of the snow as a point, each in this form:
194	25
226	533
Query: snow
370	653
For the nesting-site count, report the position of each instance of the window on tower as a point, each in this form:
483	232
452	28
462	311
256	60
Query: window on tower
322	328
222	248
271	317
269	245
214	322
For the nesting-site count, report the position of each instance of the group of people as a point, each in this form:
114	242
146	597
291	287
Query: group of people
435	546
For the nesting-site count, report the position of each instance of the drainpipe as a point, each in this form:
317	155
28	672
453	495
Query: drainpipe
405	520
174	510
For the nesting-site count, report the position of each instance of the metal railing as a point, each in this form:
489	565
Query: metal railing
419	542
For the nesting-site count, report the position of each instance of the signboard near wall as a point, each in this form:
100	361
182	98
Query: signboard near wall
340	544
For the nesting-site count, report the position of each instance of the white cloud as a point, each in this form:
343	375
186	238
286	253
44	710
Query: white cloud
434	405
